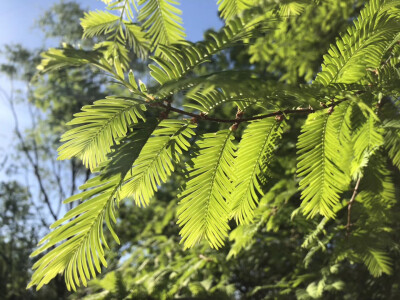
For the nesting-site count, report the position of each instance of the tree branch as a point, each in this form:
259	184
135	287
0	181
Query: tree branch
203	116
27	154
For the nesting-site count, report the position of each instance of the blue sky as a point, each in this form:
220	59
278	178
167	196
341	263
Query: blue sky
16	26
16	21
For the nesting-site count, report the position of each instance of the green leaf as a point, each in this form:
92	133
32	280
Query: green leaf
392	145
100	125
137	40
362	47
320	162
377	189
367	139
292	8
203	210
132	80
80	231
243	236
377	262
161	21
254	154
232	8
118	67
112	50
207	100
96	23
176	62
54	59
155	163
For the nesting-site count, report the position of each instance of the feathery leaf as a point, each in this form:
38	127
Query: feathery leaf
367	139
319	162
363	45
176	62
203	210
100	125
377	262
82	239
161	21
156	160
232	8
254	154
98	22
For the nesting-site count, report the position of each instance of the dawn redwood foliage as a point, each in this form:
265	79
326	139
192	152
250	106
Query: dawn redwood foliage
347	148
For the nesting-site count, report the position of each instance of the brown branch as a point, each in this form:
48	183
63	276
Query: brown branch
349	205
39	214
57	174
205	117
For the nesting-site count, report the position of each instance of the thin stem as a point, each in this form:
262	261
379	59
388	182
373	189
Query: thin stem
202	116
207	118
349	205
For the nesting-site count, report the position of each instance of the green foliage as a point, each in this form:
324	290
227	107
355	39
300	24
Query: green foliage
18	238
83	248
253	156
366	141
203	211
157	160
161	21
363	46
121	32
177	62
377	262
101	124
98	22
232	8
135	142
118	179
319	161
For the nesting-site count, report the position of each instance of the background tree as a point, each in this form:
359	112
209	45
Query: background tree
44	180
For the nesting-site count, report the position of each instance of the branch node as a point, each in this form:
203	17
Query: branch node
203	115
234	127
279	118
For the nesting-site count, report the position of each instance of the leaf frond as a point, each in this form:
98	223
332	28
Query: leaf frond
319	162
161	21
363	46
232	8
254	154
203	210
156	161
98	22
377	262
80	231
179	60
99	126
367	139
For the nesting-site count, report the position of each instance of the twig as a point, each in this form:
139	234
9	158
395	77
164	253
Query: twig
349	205
39	214
205	117
239	116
